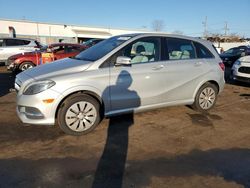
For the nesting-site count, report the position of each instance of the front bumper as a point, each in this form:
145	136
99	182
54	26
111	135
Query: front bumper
236	75
12	67
242	79
32	110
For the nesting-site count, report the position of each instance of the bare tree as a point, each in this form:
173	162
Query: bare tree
158	25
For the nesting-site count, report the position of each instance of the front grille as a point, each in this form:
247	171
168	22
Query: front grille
244	70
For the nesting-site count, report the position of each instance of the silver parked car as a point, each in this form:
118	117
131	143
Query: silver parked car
123	74
241	69
13	46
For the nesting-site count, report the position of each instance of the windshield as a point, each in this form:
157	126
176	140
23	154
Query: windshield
101	49
234	51
88	42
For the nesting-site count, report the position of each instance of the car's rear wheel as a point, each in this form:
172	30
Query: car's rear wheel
205	98
26	65
79	114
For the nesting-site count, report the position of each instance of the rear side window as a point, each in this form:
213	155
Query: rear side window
16	42
180	49
202	51
25	42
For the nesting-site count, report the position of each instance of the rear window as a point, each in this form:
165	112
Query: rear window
202	51
180	49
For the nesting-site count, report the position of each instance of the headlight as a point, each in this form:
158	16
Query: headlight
38	86
237	62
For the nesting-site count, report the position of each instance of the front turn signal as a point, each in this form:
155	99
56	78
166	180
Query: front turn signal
48	101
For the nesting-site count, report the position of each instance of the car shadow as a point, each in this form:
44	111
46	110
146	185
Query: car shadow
7	80
110	169
233	165
204	119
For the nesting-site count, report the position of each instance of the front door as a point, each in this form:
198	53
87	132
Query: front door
141	83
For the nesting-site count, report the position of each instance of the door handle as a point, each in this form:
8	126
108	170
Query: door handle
198	64
158	67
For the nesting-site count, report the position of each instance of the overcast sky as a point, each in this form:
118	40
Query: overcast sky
178	15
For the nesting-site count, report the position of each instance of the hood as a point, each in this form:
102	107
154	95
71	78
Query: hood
245	59
63	66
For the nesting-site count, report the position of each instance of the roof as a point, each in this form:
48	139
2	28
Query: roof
18	38
63	44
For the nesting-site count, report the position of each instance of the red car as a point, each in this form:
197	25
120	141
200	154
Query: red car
21	62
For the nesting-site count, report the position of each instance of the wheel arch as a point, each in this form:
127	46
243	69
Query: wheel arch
201	84
25	61
87	92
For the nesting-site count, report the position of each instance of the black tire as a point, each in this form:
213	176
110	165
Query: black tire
26	65
67	112
210	91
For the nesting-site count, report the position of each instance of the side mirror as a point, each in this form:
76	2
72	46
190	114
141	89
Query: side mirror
123	60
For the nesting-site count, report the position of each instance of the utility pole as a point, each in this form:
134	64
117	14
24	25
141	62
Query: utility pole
226	29
205	27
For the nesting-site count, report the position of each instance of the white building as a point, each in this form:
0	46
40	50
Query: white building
48	33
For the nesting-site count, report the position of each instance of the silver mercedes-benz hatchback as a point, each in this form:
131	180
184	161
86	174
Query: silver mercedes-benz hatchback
123	74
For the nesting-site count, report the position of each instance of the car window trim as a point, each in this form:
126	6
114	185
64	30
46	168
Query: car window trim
167	44
134	41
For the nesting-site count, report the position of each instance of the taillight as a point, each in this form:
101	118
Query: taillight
222	66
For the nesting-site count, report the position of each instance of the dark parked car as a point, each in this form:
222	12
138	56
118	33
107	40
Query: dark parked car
231	55
21	62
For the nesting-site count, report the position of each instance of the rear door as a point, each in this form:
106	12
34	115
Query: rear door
184	70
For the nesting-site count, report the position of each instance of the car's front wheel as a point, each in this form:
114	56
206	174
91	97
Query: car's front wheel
79	114
206	97
26	65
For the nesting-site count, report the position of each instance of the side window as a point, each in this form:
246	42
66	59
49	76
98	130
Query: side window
180	49
72	49
58	49
11	42
16	42
202	51
25	42
143	50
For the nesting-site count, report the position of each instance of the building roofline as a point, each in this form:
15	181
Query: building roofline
73	25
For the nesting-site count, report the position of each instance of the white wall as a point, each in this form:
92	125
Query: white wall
227	45
40	30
